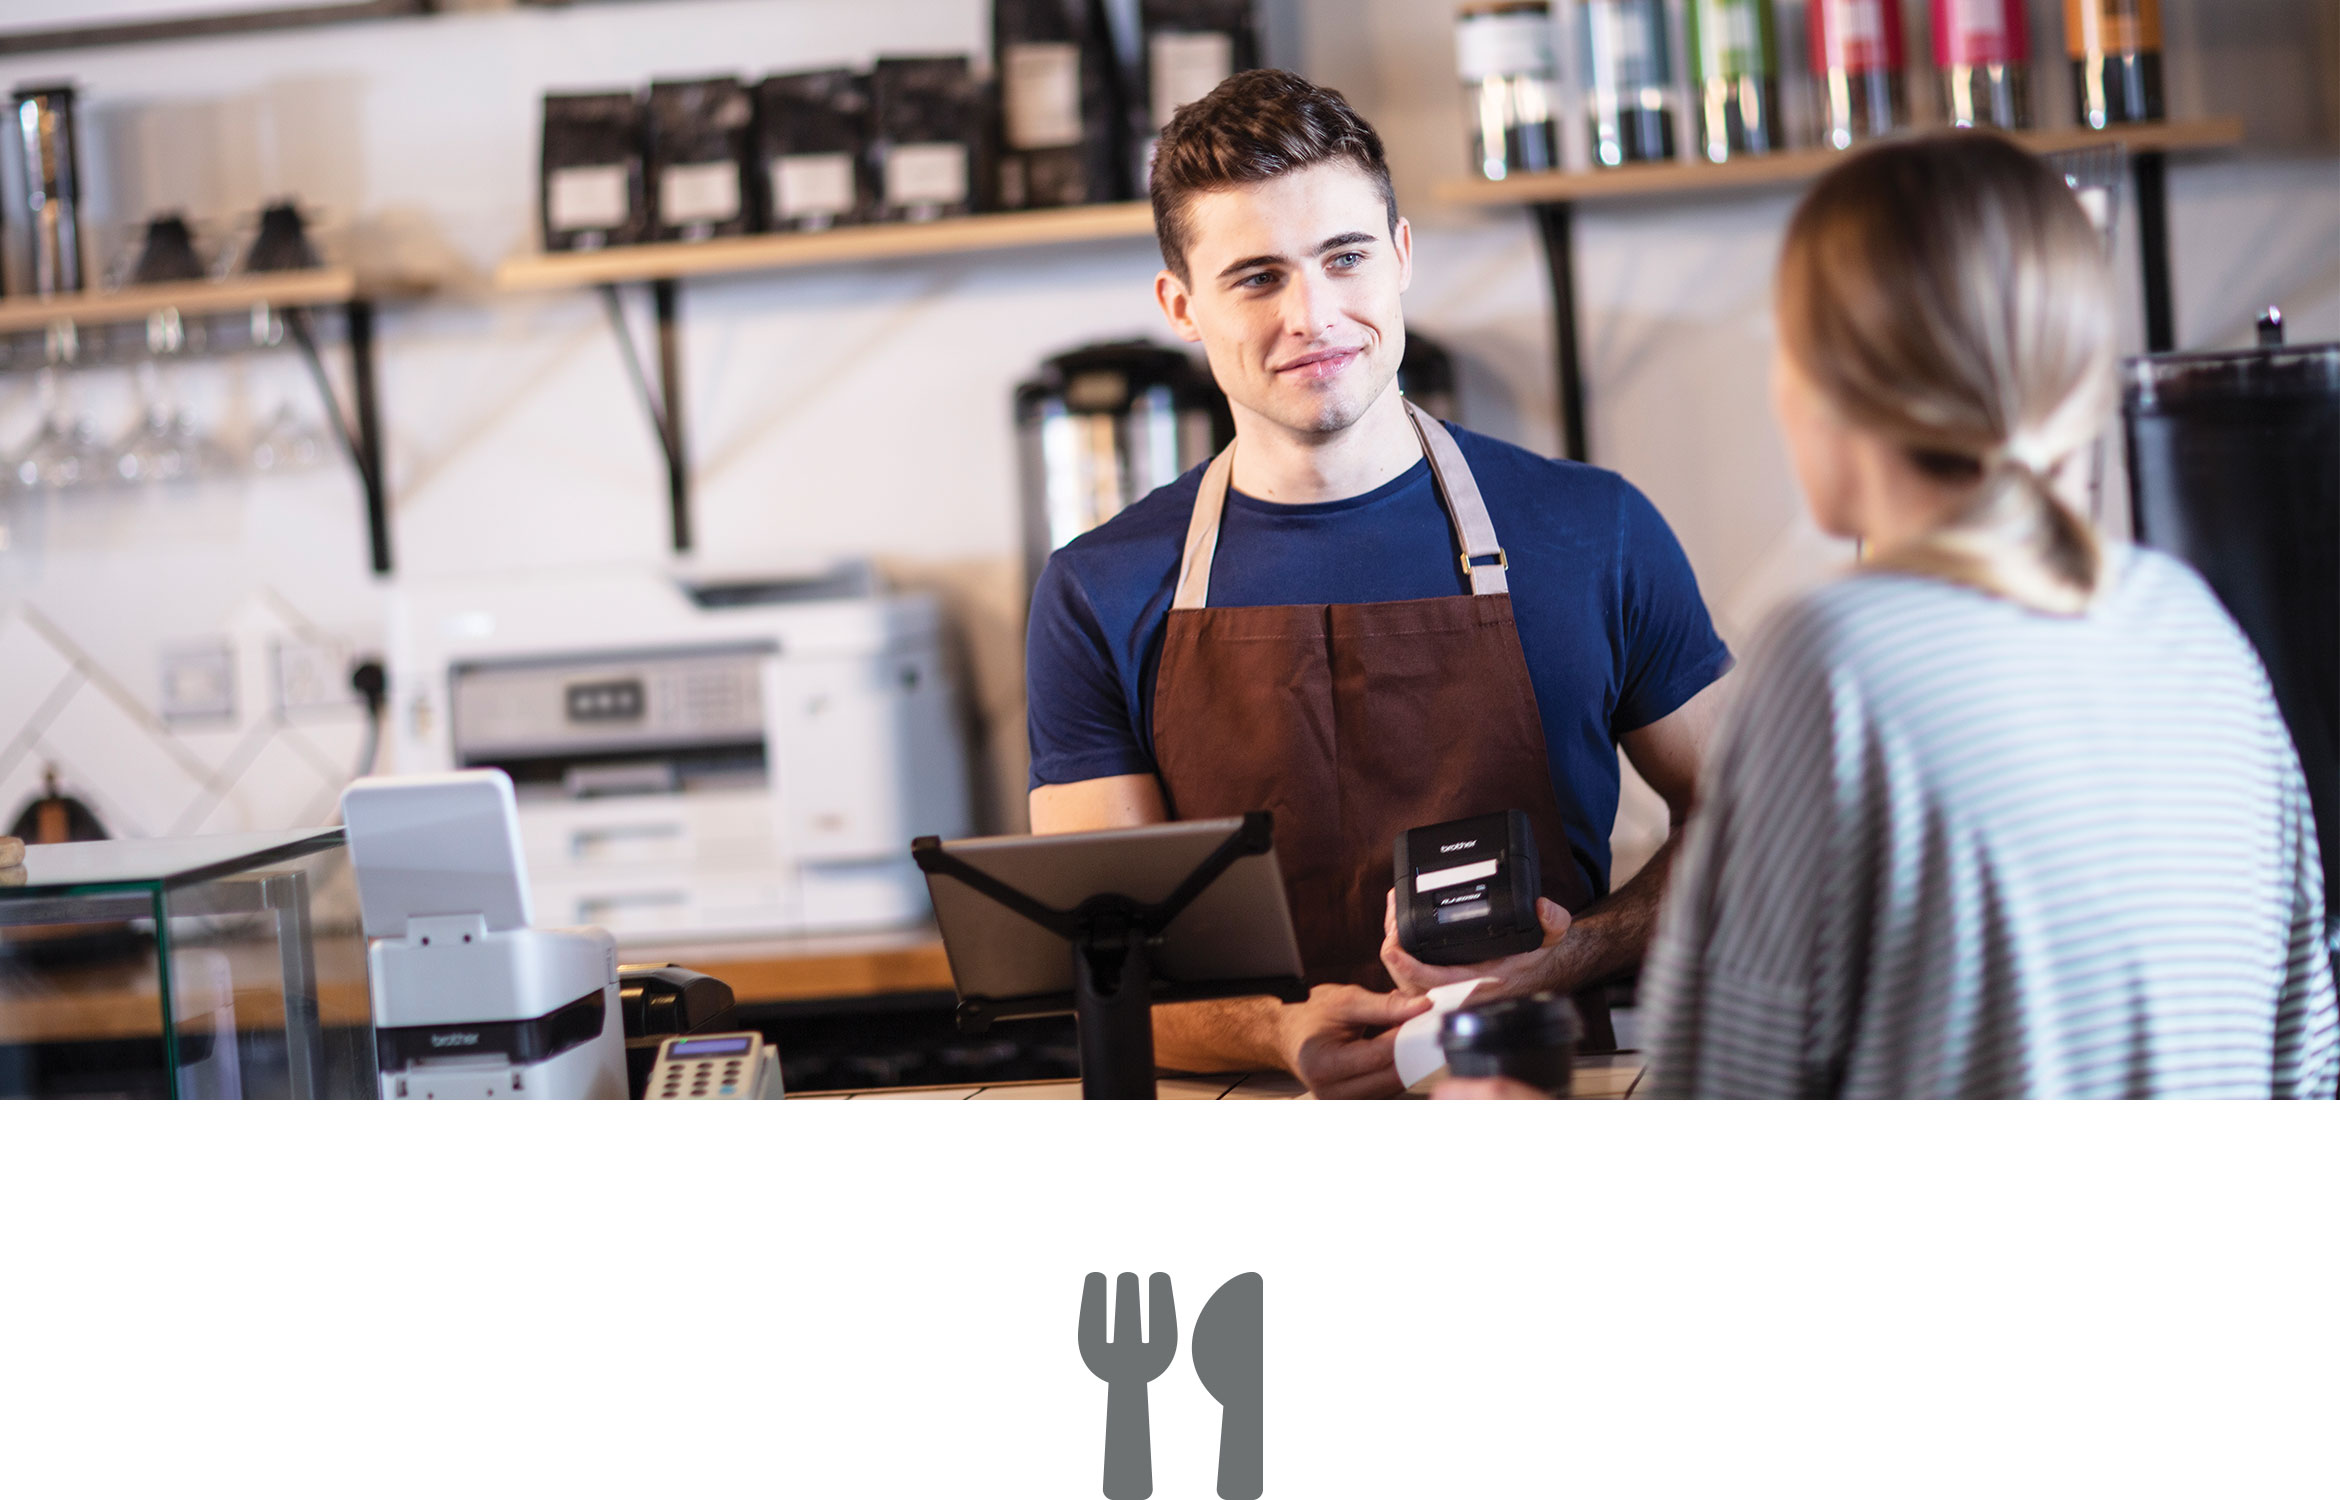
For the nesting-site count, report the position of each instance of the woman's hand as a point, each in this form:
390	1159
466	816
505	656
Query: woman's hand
1520	974
1497	1087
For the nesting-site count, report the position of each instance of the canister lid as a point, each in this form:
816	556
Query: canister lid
1522	1023
2174	381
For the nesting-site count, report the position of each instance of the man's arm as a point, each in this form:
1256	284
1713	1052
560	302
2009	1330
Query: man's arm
1609	937
1339	1041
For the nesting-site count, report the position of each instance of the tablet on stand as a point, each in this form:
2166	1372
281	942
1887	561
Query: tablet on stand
1105	926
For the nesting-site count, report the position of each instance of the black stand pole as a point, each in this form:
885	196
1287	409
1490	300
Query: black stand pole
1113	1002
1114	988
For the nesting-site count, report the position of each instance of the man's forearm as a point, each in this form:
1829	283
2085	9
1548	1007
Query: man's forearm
1218	1036
1609	937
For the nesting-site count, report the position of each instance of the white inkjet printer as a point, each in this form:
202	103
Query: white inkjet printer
470	1000
694	760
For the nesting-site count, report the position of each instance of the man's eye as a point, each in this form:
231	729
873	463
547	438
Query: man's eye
1348	260
1259	280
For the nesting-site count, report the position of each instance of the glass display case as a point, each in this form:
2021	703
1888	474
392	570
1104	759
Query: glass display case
221	967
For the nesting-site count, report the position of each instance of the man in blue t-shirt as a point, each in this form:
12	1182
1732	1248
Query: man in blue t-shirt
1356	617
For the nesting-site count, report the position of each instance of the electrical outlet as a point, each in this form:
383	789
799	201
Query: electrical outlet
199	681
310	676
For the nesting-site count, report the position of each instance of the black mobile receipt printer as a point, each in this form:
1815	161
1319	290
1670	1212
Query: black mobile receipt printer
1466	890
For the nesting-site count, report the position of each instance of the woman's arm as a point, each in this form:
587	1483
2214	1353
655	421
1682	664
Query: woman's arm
2307	1027
1731	994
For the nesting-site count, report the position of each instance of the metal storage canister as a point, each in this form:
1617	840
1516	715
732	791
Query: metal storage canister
1503	52
2116	59
2234	465
1628	80
1101	428
1858	55
1734	58
52	186
1982	62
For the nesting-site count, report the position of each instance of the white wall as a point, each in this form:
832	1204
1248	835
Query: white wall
867	410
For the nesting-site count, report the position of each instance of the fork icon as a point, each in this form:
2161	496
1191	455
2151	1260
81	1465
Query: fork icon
1128	1364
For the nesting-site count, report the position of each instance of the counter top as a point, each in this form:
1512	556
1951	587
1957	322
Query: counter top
1606	1077
812	968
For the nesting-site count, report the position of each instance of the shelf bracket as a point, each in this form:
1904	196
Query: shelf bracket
360	430
1557	224
662	401
2150	169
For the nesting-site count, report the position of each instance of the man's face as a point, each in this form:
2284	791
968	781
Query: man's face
1292	289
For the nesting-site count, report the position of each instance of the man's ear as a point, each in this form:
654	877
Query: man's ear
1403	242
1176	302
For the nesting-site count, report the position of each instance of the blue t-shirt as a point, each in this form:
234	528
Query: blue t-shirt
1610	620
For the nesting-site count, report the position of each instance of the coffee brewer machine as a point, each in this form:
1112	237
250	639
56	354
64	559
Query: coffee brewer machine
2234	464
1103	427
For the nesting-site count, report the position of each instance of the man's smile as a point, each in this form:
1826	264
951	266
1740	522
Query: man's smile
1321	364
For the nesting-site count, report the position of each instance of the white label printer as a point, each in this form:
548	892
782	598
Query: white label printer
470	1001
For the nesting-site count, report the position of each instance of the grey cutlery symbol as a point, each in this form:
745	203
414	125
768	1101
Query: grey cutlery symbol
1227	1359
1127	1365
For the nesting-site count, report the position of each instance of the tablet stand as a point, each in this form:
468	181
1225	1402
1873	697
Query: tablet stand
1114	986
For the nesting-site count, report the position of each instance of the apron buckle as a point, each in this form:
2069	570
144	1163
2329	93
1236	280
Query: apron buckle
1499	559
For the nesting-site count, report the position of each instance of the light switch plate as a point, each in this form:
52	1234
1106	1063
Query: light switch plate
309	676
199	682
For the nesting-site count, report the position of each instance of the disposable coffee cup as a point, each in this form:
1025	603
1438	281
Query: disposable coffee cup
1530	1038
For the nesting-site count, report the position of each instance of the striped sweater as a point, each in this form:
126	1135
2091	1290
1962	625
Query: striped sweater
1950	847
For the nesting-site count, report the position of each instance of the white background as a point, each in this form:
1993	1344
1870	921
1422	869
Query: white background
1714	1300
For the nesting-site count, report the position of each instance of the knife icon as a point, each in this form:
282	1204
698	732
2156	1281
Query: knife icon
1228	1339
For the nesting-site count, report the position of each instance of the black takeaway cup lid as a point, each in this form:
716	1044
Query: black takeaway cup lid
1531	1038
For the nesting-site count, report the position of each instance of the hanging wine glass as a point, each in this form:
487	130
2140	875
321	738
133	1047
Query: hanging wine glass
286	441
64	452
164	447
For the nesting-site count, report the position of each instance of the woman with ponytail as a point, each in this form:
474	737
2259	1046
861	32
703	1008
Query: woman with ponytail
2009	811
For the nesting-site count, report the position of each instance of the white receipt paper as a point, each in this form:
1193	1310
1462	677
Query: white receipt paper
1418	1054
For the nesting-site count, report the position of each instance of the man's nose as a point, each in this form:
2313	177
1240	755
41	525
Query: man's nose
1310	305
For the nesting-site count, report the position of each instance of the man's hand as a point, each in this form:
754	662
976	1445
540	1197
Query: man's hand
1342	1041
11	860
1497	1087
1520	974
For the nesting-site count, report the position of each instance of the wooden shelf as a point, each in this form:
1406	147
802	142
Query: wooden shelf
132	304
739	254
1681	178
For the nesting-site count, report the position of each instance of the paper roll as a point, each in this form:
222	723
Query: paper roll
1418	1053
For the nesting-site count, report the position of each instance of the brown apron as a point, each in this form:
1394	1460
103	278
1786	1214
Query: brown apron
1355	722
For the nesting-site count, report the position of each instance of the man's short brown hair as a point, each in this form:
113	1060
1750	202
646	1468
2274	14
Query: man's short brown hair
1255	126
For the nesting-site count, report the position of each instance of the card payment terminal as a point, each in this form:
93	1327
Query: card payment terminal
715	1065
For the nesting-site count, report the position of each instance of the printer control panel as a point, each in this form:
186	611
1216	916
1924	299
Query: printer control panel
670	701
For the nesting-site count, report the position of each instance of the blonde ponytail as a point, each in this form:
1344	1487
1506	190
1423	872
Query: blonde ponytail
1949	294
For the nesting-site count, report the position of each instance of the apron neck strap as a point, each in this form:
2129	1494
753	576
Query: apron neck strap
1481	559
